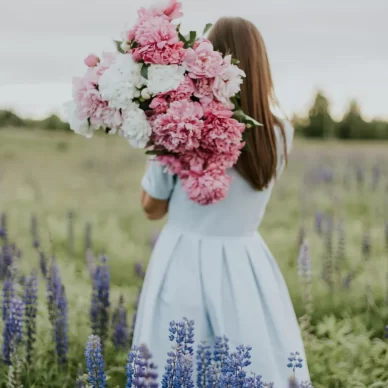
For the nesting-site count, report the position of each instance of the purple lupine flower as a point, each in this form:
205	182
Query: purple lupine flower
95	365
179	366
204	362
220	356
120	337
42	263
255	382
61	335
53	287
292	383
140	371
88	237
12	335
360	176
7	256
99	310
3	227
376	175
30	302
233	373
139	270
8	295
341	241
34	232
295	361
70	232
319	219
386	331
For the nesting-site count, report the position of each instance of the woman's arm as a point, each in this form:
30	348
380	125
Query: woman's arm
154	209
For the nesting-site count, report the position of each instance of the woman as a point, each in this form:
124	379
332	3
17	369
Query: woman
210	264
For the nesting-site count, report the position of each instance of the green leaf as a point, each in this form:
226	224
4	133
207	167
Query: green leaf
182	38
118	46
144	71
207	28
235	61
193	35
240	116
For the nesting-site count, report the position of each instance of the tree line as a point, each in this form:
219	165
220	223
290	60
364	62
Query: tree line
317	124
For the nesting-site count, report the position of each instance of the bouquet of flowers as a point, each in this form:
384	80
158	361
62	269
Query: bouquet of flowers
171	94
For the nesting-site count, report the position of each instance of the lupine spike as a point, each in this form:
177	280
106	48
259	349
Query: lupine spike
99	310
120	336
204	361
42	263
34	232
61	336
12	335
327	268
95	363
30	301
8	295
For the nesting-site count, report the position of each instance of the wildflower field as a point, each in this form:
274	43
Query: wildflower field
74	246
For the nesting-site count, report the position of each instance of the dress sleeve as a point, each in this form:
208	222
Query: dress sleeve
289	137
157	182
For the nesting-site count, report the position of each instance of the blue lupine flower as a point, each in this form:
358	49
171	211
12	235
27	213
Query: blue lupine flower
366	245
204	361
30	301
95	363
54	286
254	382
319	218
120	336
135	307
7	256
139	270
12	335
140	371
99	310
3	226
220	356
233	373
306	384
42	263
34	232
61	335
295	361
8	295
88	236
179	368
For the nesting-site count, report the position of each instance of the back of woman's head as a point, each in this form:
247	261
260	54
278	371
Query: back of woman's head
242	39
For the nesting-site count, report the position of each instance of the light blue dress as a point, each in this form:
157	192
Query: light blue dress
211	265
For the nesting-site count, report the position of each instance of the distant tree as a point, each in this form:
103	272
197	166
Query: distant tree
320	123
352	126
53	122
10	119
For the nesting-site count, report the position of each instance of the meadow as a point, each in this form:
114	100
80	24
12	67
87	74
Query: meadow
84	195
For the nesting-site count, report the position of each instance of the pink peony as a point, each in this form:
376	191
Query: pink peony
180	129
195	160
222	134
207	187
156	30
171	10
159	105
172	163
199	41
184	92
204	90
91	60
86	95
168	54
217	107
227	82
203	61
225	160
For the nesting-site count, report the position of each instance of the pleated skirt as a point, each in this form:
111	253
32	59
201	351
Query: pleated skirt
230	286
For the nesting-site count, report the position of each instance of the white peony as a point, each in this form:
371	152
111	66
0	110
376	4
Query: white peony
164	78
136	127
79	126
228	82
119	84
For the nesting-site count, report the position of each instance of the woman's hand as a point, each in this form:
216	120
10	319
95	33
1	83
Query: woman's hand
154	209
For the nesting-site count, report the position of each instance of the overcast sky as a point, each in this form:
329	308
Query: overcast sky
340	46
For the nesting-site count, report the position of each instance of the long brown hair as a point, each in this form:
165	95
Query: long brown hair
241	39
